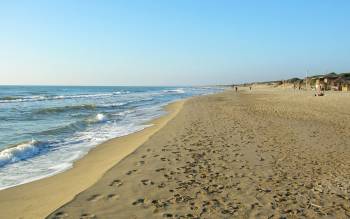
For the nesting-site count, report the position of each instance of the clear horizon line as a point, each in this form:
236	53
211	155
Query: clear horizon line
94	85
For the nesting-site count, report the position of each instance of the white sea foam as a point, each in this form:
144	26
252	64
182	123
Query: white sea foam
113	104
179	91
19	152
123	113
101	117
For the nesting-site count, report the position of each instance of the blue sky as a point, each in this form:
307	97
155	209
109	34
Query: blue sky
180	42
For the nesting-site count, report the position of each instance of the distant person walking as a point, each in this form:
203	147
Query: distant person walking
236	88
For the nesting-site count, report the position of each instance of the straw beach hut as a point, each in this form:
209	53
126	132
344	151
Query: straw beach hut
342	84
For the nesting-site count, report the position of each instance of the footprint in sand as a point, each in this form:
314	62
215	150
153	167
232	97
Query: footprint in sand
147	182
116	183
112	196
164	159
87	216
167	215
140	163
161	185
95	197
130	172
139	201
60	214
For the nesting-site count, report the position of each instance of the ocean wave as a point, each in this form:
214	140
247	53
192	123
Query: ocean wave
74	126
66	108
108	105
69	128
19	152
8	98
60	109
30	149
16	99
130	103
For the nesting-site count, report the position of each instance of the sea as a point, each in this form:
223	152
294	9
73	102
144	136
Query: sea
44	129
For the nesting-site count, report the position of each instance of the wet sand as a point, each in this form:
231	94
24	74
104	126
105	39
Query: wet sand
268	153
39	198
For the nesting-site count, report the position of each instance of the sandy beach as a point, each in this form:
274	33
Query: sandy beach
268	153
39	198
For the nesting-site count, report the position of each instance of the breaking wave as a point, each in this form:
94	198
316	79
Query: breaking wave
75	126
19	152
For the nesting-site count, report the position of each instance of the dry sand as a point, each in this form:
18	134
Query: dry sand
259	154
38	199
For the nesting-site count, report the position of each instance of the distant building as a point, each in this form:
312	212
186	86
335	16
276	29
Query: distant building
341	84
346	87
330	81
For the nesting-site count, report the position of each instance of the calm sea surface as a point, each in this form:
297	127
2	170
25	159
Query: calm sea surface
43	129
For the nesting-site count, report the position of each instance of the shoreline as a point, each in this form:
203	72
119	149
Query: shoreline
21	201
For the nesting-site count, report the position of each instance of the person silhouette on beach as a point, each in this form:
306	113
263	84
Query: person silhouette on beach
236	88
